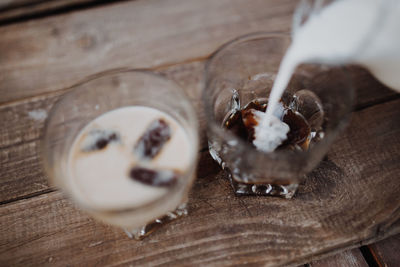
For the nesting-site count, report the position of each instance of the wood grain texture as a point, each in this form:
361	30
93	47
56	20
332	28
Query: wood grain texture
56	52
348	258
387	252
352	196
127	34
350	199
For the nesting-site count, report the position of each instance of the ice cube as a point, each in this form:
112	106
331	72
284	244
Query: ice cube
153	177
153	140
98	139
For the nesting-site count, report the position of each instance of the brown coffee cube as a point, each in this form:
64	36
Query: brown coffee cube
160	178
153	140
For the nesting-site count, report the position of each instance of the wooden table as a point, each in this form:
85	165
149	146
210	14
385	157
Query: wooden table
350	201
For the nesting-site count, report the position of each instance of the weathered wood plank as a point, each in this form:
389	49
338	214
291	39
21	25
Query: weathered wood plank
387	252
21	171
54	53
57	52
51	231
348	258
352	196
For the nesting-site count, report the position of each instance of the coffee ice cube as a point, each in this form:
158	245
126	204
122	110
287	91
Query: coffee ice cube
98	139
299	128
153	177
250	118
153	140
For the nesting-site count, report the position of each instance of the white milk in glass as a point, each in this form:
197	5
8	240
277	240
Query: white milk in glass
127	158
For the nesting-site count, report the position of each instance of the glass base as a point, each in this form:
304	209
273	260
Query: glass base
249	189
244	189
143	231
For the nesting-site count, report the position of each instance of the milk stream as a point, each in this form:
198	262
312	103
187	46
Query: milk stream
365	32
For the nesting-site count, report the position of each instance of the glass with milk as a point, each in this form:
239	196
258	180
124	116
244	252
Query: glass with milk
124	148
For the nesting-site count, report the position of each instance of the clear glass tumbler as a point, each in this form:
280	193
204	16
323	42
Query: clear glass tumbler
89	100
244	70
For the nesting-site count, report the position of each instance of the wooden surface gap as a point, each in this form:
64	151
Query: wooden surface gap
44	9
348	258
28	196
19	143
380	101
369	257
16	4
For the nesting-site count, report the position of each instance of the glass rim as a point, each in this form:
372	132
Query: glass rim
246	37
182	186
214	127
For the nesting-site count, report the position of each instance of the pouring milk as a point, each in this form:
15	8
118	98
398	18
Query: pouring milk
365	32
